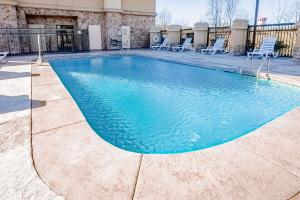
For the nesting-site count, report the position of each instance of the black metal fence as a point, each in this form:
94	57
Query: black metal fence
25	41
285	34
213	34
219	32
186	33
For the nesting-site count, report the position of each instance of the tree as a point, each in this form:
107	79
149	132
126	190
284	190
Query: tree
230	10
244	14
215	12
281	12
295	11
164	19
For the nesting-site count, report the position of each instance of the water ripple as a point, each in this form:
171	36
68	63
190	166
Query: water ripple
149	106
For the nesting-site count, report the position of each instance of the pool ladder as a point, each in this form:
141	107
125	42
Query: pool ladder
265	62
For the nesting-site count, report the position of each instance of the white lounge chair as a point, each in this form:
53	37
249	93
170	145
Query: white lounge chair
266	49
163	45
185	46
218	46
3	56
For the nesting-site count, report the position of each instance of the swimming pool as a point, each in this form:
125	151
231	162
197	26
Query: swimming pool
155	107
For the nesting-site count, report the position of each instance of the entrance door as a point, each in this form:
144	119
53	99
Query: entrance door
65	37
95	37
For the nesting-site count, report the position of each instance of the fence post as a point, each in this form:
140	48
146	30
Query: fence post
297	45
200	35
239	32
40	58
174	34
155	35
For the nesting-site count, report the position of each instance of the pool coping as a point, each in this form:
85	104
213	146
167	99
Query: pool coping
135	191
208	67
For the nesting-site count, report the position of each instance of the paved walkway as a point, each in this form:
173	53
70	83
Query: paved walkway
77	164
18	178
281	69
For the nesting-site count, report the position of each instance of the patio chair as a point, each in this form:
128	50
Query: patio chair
218	46
3	56
185	46
266	49
163	45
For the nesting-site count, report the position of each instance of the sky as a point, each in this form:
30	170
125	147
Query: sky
195	10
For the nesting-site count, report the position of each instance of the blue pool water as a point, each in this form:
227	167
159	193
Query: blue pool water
150	106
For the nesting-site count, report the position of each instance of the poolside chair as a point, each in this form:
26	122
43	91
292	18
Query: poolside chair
161	46
3	56
185	46
218	46
266	49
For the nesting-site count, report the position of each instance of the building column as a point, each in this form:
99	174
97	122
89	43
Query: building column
200	35
297	45
112	29
112	22
239	32
155	36
174	32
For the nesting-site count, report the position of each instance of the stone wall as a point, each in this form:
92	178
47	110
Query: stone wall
140	26
51	21
8	16
112	25
110	22
8	19
83	18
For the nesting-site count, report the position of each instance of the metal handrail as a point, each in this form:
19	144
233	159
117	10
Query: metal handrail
265	60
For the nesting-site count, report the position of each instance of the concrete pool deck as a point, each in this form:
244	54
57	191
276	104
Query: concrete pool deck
74	163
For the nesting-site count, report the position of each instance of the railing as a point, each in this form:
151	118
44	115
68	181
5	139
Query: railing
24	41
219	32
285	34
186	33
